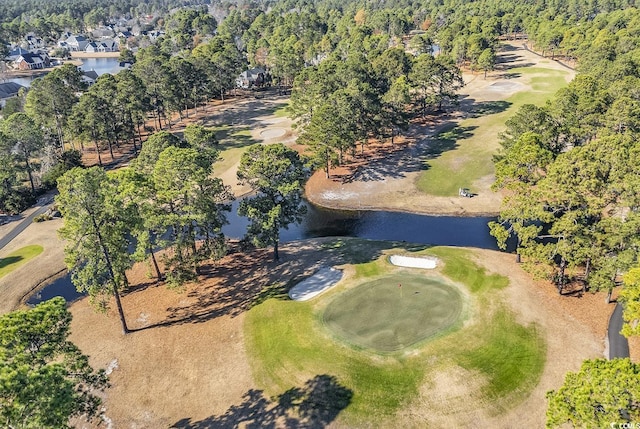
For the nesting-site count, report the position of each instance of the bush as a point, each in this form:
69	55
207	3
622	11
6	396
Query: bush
16	201
41	218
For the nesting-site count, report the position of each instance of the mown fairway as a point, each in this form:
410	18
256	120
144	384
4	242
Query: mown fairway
19	257
461	154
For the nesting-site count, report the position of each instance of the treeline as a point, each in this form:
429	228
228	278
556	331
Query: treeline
569	168
168	199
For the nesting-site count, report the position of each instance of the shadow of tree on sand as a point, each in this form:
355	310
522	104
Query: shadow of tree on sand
312	406
245	279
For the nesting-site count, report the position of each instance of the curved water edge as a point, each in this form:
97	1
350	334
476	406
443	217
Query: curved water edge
324	222
99	65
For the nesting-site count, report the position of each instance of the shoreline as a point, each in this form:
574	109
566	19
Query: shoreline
390	208
80	55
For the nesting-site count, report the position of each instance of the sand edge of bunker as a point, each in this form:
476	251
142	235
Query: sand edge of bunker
385	383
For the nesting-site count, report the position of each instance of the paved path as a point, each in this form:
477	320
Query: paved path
43	206
618	344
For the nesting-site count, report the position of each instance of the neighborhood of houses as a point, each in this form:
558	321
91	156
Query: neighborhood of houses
35	53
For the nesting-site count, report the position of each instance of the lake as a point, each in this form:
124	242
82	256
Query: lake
322	222
99	65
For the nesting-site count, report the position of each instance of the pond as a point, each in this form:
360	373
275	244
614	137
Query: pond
322	222
99	65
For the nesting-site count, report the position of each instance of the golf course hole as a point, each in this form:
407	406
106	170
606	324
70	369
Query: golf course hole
395	312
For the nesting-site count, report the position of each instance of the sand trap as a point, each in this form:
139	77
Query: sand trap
426	262
272	133
506	86
313	286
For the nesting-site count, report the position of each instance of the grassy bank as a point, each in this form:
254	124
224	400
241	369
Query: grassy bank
462	154
288	343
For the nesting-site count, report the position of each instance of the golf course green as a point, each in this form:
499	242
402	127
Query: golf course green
394	312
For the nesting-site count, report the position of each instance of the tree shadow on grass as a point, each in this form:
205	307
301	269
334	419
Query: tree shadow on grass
487	108
447	140
5	262
313	406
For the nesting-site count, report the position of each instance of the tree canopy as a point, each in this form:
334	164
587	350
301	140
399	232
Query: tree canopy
44	378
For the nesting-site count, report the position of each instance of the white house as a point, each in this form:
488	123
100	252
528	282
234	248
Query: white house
89	77
253	77
77	43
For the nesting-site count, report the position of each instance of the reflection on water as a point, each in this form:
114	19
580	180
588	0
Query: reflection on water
321	222
99	65
381	225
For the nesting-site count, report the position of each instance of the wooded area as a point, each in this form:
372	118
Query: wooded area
357	73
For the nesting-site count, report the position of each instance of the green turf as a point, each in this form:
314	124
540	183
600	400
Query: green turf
288	342
19	257
462	154
395	312
234	141
512	358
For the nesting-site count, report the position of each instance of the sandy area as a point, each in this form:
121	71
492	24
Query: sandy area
388	181
413	262
193	347
314	285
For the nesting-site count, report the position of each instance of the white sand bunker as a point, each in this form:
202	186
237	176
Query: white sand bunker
506	86
426	262
313	286
272	133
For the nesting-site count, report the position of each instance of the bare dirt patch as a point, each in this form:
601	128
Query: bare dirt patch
188	360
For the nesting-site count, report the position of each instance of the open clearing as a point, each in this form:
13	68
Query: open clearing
213	354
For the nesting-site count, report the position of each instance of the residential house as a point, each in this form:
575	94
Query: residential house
91	47
108	45
102	32
9	90
15	53
34	42
89	77
31	61
77	43
155	34
255	77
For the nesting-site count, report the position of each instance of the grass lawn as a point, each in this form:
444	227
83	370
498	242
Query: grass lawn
233	143
19	257
462	154
394	312
288	343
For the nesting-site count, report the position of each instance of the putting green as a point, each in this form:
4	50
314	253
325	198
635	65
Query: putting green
394	312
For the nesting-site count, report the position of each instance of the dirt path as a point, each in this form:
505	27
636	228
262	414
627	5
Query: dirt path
389	182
